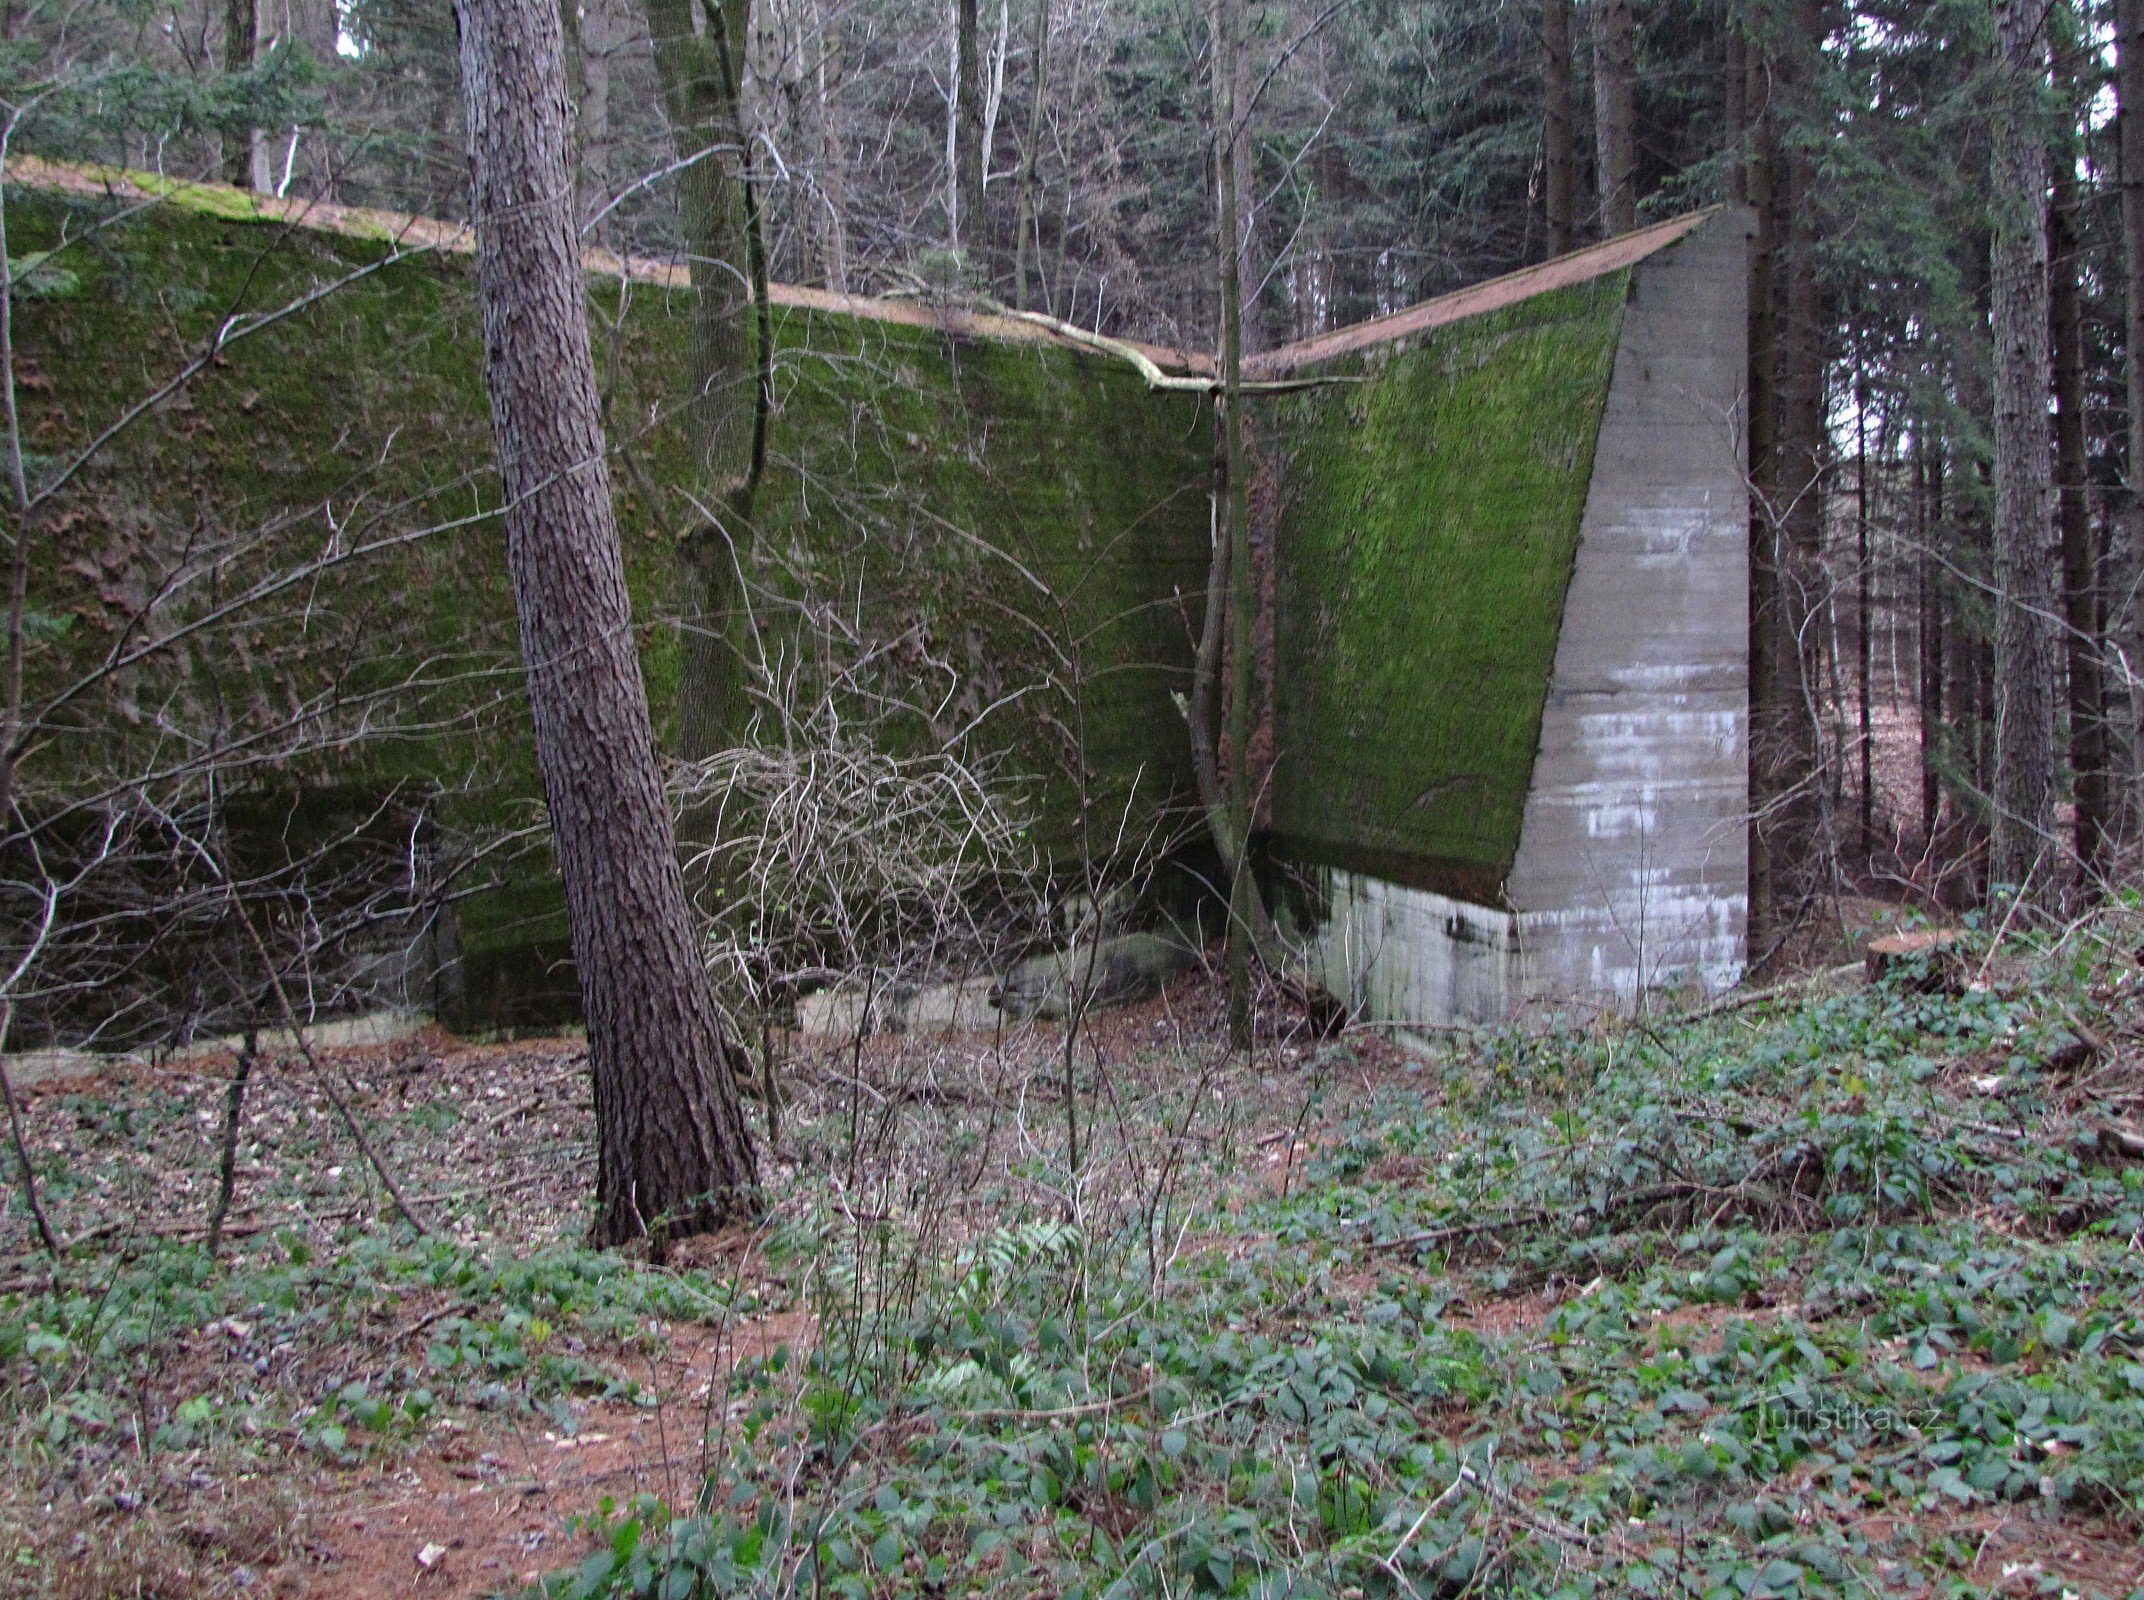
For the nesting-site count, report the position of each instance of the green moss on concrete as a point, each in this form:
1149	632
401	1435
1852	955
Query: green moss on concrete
1425	542
1006	525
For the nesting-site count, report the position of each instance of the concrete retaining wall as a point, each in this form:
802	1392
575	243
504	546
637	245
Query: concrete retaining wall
1631	876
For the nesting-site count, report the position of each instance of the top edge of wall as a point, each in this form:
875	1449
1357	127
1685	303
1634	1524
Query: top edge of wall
1580	266
415	234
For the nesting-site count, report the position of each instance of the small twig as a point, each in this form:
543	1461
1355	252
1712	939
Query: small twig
427	1320
1539	1521
1085	1409
1652	1194
1756	997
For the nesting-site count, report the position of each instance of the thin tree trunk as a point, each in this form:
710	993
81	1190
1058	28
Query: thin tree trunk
1734	97
831	183
1863	637
2027	556
1236	527
1928	519
1801	862
1769	703
1559	130
966	178
25	1171
699	69
234	1109
674	1154
1026	244
2080	599
1249	263
1615	130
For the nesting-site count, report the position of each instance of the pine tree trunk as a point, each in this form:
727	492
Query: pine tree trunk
673	1153
1559	131
1615	129
2080	567
699	68
1803	860
1770	704
1864	633
1928	518
2027	556
2129	68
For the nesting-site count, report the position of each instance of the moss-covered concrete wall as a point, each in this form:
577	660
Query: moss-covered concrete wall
1015	525
1005	532
1431	495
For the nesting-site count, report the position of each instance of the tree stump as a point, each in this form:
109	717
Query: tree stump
1930	960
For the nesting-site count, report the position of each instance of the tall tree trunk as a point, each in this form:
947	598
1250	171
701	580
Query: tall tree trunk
1615	128
1559	131
1770	702
1865	734
1787	446
830	188
1242	892
966	232
700	70
1928	518
1027	247
600	38
2027	555
245	156
1250	263
2129	71
2080	567
673	1152
1734	102
1801	454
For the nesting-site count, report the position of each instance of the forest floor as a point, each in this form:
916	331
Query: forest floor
1836	1292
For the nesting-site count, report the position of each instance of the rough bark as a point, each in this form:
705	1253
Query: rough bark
1615	128
699	70
2080	566
2027	555
1559	131
673	1152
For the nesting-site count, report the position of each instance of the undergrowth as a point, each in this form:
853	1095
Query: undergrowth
1835	1295
1785	1302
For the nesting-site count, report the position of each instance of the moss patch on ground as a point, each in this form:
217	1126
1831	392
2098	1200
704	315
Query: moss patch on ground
1429	521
